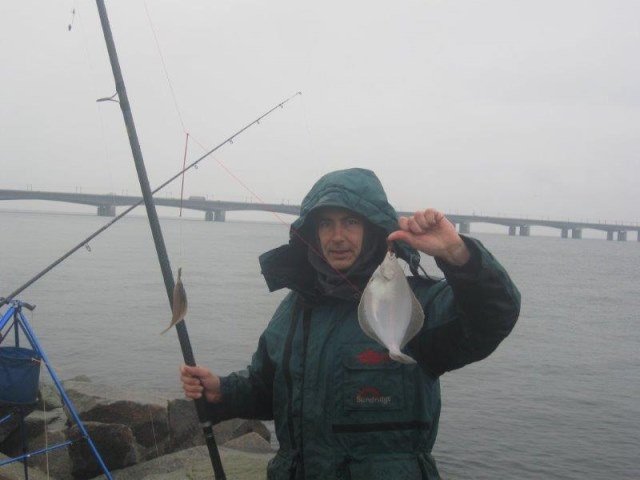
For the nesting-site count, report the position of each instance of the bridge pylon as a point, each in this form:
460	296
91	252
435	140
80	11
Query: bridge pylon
106	210
215	215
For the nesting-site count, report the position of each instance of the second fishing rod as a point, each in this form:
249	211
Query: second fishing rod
83	243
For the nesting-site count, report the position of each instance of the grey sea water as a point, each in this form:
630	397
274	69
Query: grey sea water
559	399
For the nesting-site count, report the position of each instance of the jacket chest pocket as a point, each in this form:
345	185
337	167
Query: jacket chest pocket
371	380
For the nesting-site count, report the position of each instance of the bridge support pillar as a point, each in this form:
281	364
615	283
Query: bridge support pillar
525	230
564	233
610	235
512	230
465	227
219	215
208	216
106	210
622	236
576	233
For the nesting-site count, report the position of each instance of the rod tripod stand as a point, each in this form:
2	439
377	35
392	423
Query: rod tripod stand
14	319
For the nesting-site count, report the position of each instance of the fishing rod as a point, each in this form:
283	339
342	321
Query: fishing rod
85	242
148	200
154	223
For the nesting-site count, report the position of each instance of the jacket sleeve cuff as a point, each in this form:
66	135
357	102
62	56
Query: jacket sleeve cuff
469	269
222	411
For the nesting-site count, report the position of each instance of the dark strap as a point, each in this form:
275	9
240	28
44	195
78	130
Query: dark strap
286	359
286	370
306	327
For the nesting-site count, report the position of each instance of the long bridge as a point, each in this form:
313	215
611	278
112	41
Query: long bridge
215	210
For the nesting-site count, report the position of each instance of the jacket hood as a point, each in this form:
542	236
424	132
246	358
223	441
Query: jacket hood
355	189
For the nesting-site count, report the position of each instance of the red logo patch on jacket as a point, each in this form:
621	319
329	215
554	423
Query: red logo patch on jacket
372	396
371	357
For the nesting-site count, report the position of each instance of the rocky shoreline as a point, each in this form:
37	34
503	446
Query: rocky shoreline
140	436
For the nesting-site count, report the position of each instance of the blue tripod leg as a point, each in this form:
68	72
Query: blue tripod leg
31	336
8	315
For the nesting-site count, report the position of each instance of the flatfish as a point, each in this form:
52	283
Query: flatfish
179	303
389	312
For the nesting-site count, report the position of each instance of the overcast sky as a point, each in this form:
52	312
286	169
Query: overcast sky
508	107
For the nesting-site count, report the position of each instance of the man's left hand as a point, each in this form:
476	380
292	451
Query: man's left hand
430	232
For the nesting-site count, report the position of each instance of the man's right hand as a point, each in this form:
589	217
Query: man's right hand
198	380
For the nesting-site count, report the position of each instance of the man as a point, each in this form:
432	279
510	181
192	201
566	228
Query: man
342	408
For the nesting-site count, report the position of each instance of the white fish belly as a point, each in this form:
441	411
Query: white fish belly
388	312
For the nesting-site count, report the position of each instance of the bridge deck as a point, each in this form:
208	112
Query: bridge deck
107	203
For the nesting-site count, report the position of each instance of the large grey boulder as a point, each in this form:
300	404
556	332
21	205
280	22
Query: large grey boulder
185	430
144	413
49	398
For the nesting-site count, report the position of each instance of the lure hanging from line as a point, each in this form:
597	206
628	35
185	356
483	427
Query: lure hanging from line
179	297
389	312
178	304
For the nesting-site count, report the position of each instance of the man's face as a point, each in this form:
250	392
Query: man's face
340	232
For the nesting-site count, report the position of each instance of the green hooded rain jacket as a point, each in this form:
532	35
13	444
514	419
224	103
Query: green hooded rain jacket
342	408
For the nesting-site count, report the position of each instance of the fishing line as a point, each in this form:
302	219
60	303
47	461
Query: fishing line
284	222
275	214
180	118
99	112
184	163
164	67
17	291
178	112
153	430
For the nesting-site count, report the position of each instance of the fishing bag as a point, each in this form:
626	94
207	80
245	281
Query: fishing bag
19	375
